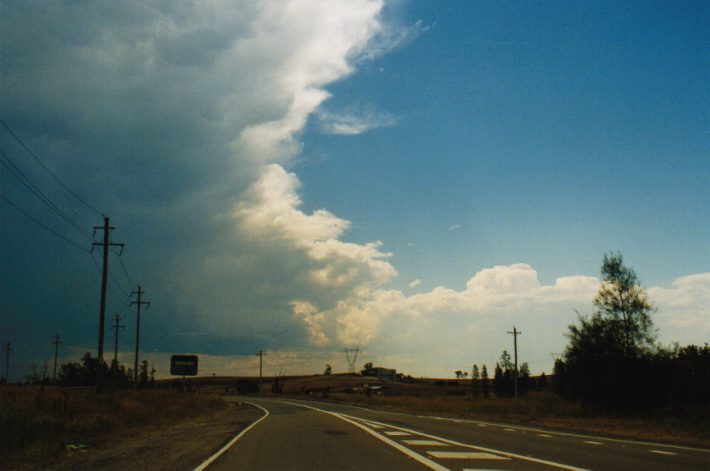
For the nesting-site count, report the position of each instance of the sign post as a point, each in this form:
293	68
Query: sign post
183	365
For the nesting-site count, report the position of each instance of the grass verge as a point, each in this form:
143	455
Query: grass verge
37	423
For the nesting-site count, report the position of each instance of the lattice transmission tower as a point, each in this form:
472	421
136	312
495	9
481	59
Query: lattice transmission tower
351	355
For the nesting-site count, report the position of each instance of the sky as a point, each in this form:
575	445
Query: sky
413	179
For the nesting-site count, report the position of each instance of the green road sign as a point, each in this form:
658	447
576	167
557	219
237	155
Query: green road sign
183	365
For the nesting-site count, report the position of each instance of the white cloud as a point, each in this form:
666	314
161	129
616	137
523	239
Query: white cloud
455	227
414	283
354	122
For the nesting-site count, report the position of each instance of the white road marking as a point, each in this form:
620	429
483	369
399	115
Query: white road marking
425	443
566	434
480	448
509	429
397	433
544	435
209	460
592	443
422	459
465	455
661	452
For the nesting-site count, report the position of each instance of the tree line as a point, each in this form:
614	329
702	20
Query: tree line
614	362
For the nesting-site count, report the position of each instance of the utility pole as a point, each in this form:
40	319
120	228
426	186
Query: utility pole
261	357
56	343
116	326
138	331
7	362
515	334
104	280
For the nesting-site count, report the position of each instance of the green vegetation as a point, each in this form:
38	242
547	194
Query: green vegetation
613	364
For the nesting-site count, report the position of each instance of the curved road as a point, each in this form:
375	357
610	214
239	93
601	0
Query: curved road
308	435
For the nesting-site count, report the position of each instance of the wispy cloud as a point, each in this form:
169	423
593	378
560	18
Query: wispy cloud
455	227
355	122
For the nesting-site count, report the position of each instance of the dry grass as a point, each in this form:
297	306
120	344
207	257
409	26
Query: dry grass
36	422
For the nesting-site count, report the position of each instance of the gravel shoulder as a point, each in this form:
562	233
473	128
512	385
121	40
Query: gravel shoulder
180	446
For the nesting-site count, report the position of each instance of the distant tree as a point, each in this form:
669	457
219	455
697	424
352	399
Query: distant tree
465	374
143	374
541	382
475	376
328	370
458	374
484	381
504	379
368	365
524	380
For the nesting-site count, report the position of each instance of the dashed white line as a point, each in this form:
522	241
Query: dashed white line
509	429
397	433
465	455
425	443
593	443
544	435
455	443
661	452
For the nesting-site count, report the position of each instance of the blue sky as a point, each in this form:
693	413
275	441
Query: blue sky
409	177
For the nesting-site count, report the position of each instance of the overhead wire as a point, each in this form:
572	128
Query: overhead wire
24	180
55	177
36	221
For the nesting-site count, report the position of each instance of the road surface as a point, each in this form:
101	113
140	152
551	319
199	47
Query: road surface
308	435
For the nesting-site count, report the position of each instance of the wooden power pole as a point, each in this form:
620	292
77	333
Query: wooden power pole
515	334
261	357
138	304
56	343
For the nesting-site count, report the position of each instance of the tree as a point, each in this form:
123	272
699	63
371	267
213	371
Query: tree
328	370
603	356
524	380
475	375
623	304
458	374
484	381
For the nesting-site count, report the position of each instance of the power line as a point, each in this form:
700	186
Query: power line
15	170
125	272
110	286
36	221
37	159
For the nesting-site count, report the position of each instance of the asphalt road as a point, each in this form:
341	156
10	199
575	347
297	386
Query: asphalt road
310	435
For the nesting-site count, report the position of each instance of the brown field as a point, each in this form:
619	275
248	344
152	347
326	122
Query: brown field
37	423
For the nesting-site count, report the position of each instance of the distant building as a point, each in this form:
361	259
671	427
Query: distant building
382	374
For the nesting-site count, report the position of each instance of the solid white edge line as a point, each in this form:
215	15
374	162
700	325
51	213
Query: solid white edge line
475	447
209	460
422	459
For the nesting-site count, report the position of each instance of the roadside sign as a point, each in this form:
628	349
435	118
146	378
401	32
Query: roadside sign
183	365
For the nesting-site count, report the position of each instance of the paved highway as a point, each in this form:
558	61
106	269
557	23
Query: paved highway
308	435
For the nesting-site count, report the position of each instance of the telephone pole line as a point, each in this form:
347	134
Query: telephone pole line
138	331
106	243
515	334
7	362
261	357
56	343
116	326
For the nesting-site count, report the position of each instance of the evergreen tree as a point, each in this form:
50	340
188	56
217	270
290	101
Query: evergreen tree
484	381
475	375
